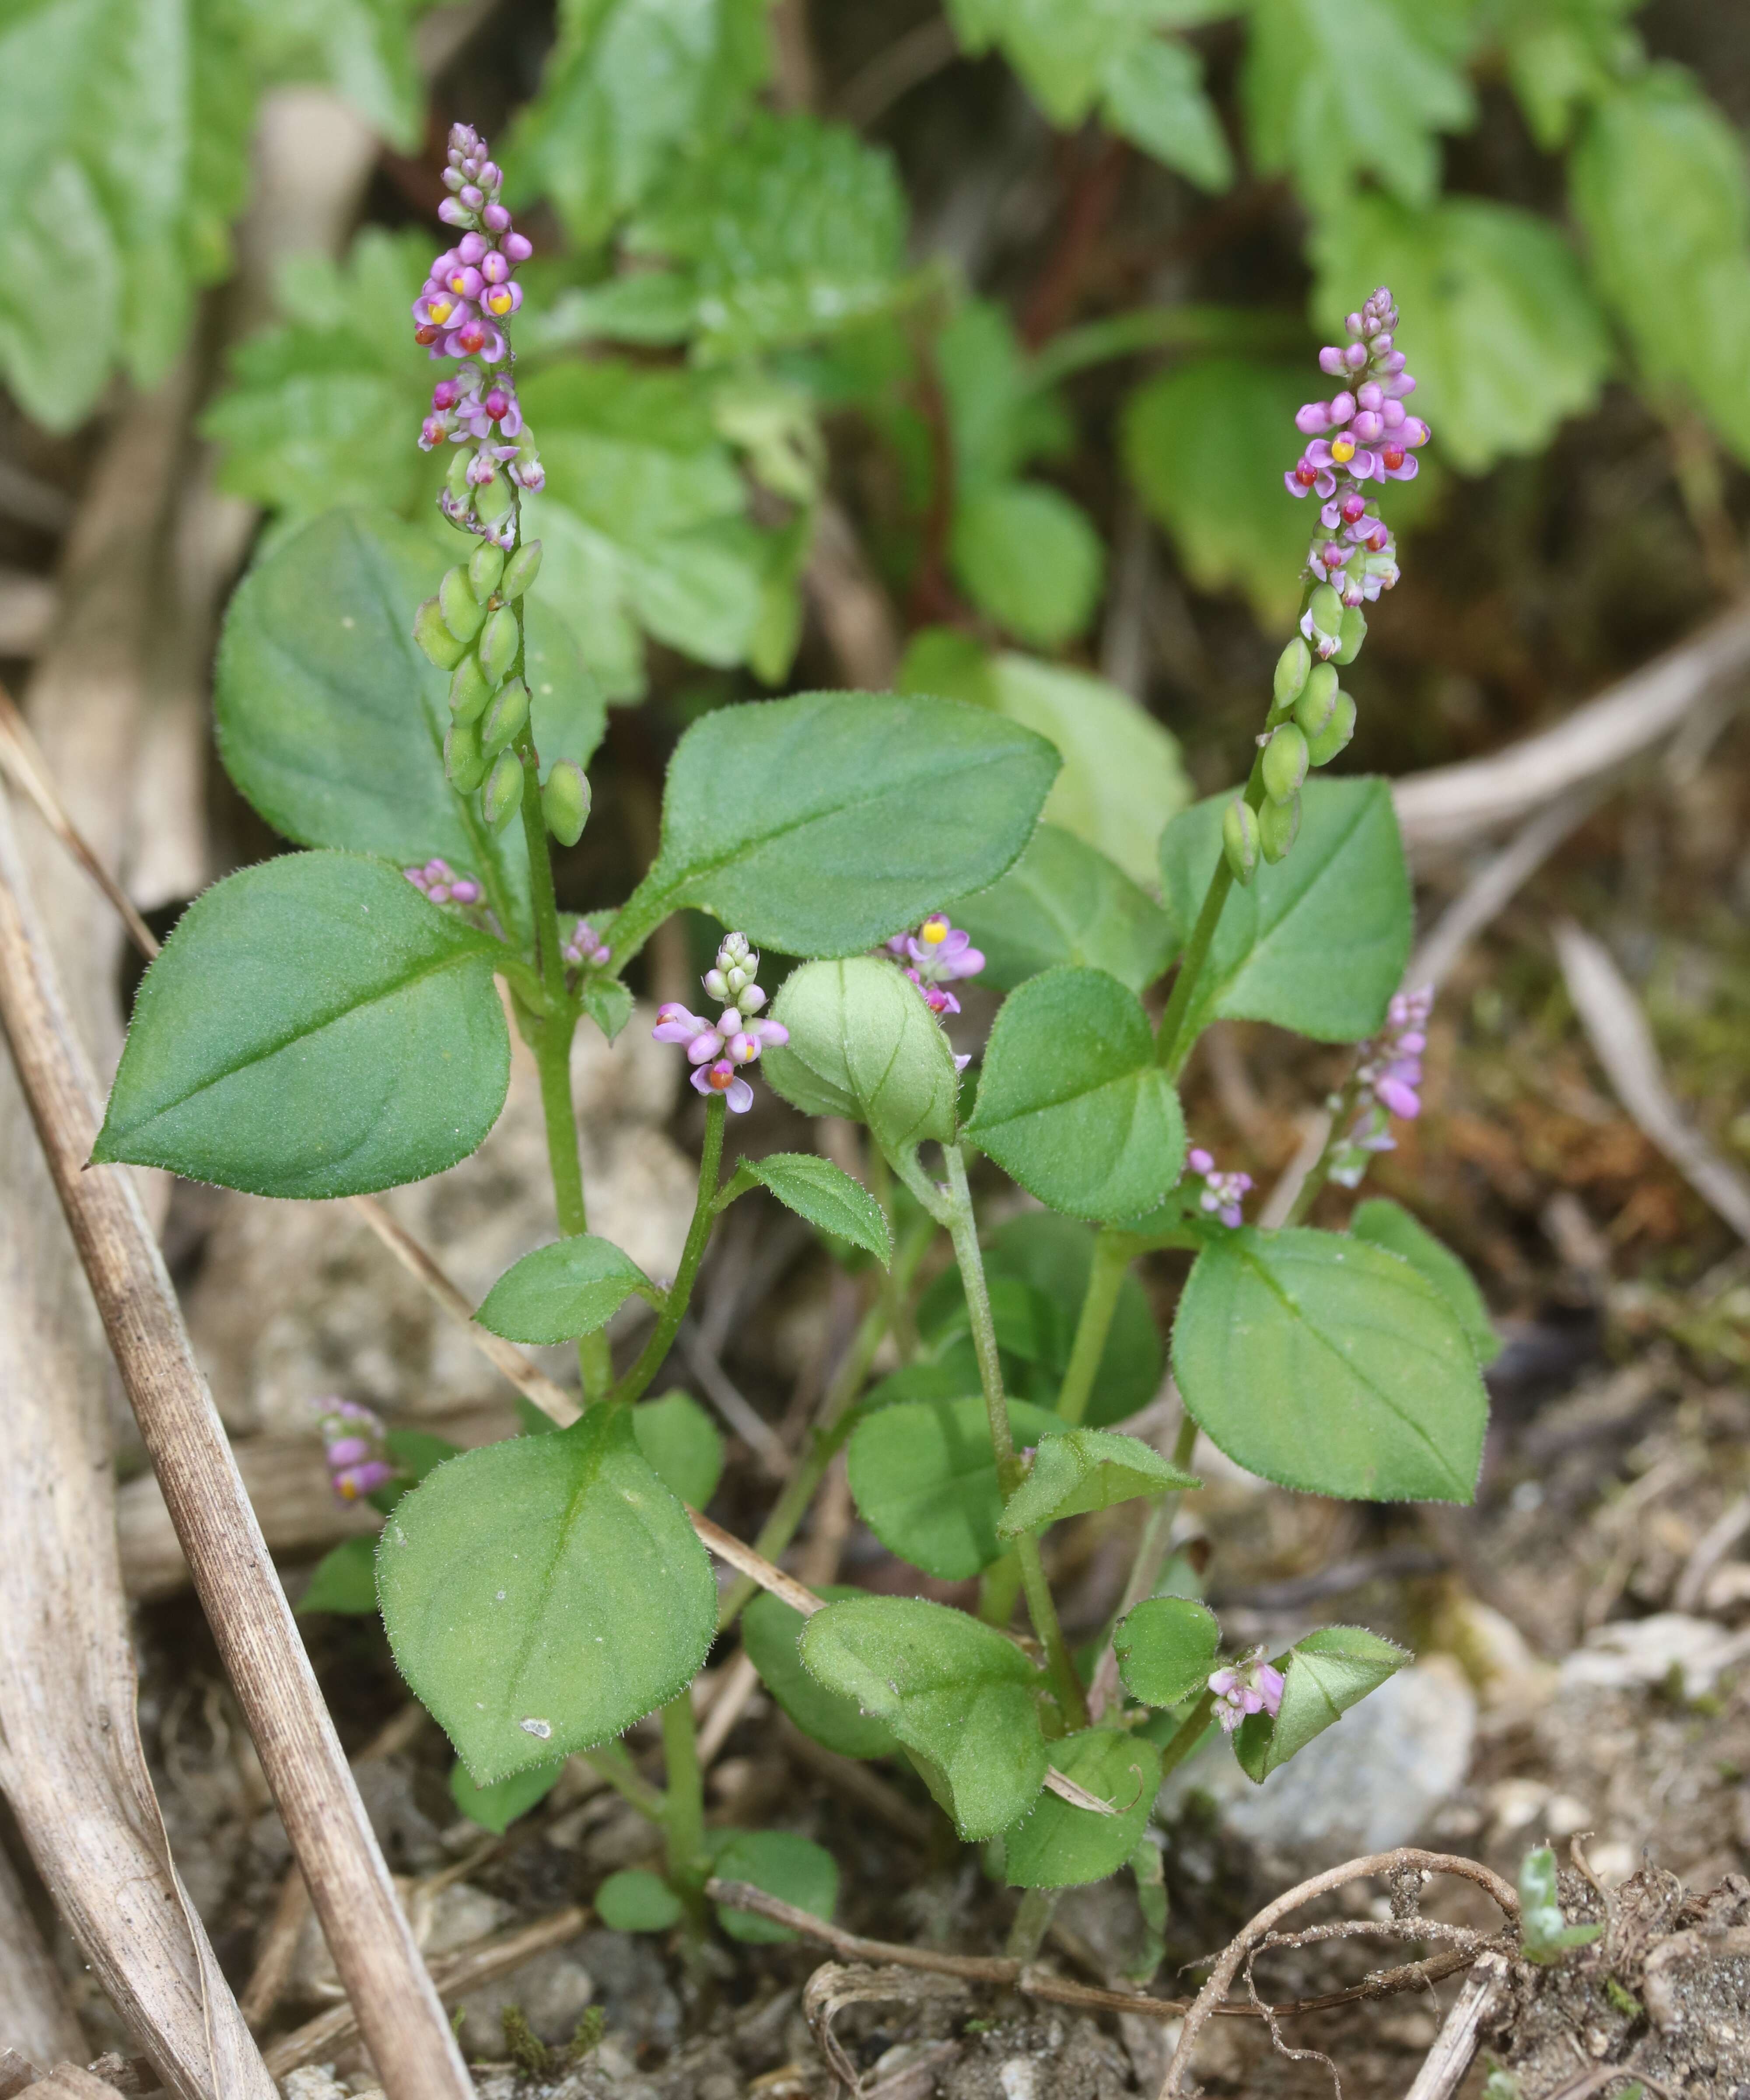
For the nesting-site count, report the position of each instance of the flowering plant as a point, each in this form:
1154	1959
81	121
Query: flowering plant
328	1024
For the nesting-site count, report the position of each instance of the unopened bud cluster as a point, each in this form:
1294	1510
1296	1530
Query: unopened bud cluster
463	310
1388	1082
716	1048
1222	1194
356	1447
584	948
438	881
1248	1686
1350	562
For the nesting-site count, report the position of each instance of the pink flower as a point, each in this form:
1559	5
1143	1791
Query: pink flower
1248	1686
722	1079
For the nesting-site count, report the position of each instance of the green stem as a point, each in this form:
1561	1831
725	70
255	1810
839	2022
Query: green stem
998	1588
1173	1041
651	1357
899	1320
1106	1279
1031	1919
1341	1113
832	1425
1146	1562
963	1231
1188	1734
613	1761
684	1802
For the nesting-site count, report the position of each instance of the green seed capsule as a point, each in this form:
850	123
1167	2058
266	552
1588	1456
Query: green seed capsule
485	570
505	718
1284	763
463	760
469	690
435	638
503	790
457	479
1323	748
495	498
463	612
1240	839
521	570
1292	667
1312	710
1354	632
499	641
1277	824
1327	609
565	801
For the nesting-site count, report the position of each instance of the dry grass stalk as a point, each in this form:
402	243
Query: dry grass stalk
263	1654
1446	2064
36	2014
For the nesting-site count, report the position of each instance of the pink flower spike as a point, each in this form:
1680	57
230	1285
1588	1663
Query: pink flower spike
1199	1161
674	1024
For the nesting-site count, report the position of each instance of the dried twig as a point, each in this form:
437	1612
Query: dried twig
263	1654
740	1682
1450	804
1622	1043
1446	2064
1209	1999
278	1952
1033	1981
452	1976
1496	883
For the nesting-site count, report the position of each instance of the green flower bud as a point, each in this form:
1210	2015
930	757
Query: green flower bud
1284	763
493	498
485	570
1239	840
1312	710
1327	610
469	690
499	642
503	790
1324	747
462	611
1292	667
521	570
457	477
435	638
505	718
1277	824
1353	633
463	760
565	801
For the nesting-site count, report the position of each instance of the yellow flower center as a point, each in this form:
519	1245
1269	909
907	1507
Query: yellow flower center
458	283
935	932
499	302
439	310
1342	447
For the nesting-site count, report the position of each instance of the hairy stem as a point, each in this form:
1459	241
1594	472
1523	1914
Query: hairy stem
998	1588
1189	1733
1145	1569
650	1357
1043	1612
684	1802
1106	1279
1174	1042
1032	1918
1342	1111
613	1761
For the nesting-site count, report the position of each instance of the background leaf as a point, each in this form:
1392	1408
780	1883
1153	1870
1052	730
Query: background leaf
1328	1365
343	1580
956	1694
1028	557
1071	1102
863	1044
924	1477
789	1867
681	1445
313	1027
1056	1845
1388	1225
636	1901
1063	902
497	1806
563	1291
542	1595
1324	1674
770	1630
1166	1648
822	824
1318	943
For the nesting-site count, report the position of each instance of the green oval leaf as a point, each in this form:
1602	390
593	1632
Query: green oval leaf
343	1580
770	1632
1387	1225
1063	902
957	1696
1056	1845
1323	1676
1318	943
560	1292
681	1445
822	824
793	1869
824	1194
1071	1102
1028	557
312	1028
1086	1469
1166	1648
863	1044
542	1595
636	1901
924	1477
1328	1365
497	1806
